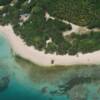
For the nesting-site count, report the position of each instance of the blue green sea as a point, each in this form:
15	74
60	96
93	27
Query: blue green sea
27	81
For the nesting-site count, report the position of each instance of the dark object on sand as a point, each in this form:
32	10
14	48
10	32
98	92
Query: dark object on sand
4	82
52	61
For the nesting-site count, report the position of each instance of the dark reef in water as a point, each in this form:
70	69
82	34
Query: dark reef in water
75	81
4	82
5	2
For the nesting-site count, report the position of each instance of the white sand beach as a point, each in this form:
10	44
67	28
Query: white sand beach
30	53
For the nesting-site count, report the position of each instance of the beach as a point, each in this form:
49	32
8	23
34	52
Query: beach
20	48
28	81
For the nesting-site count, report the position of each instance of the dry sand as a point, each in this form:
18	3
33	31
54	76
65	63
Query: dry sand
39	57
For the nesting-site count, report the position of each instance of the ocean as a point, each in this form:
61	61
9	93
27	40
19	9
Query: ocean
17	82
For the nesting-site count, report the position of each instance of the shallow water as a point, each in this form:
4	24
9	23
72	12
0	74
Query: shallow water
30	82
20	86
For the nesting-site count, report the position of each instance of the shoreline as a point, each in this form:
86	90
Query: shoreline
20	48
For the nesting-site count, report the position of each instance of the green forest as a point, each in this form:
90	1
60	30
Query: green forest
36	30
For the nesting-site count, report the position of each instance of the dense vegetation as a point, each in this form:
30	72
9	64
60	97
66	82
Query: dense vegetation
84	43
36	30
81	12
4	2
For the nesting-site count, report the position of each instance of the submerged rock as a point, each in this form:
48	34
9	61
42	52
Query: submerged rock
63	89
79	92
44	90
4	82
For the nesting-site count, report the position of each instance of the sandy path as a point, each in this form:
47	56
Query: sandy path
75	28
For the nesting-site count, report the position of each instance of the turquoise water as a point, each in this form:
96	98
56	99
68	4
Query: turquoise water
21	86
